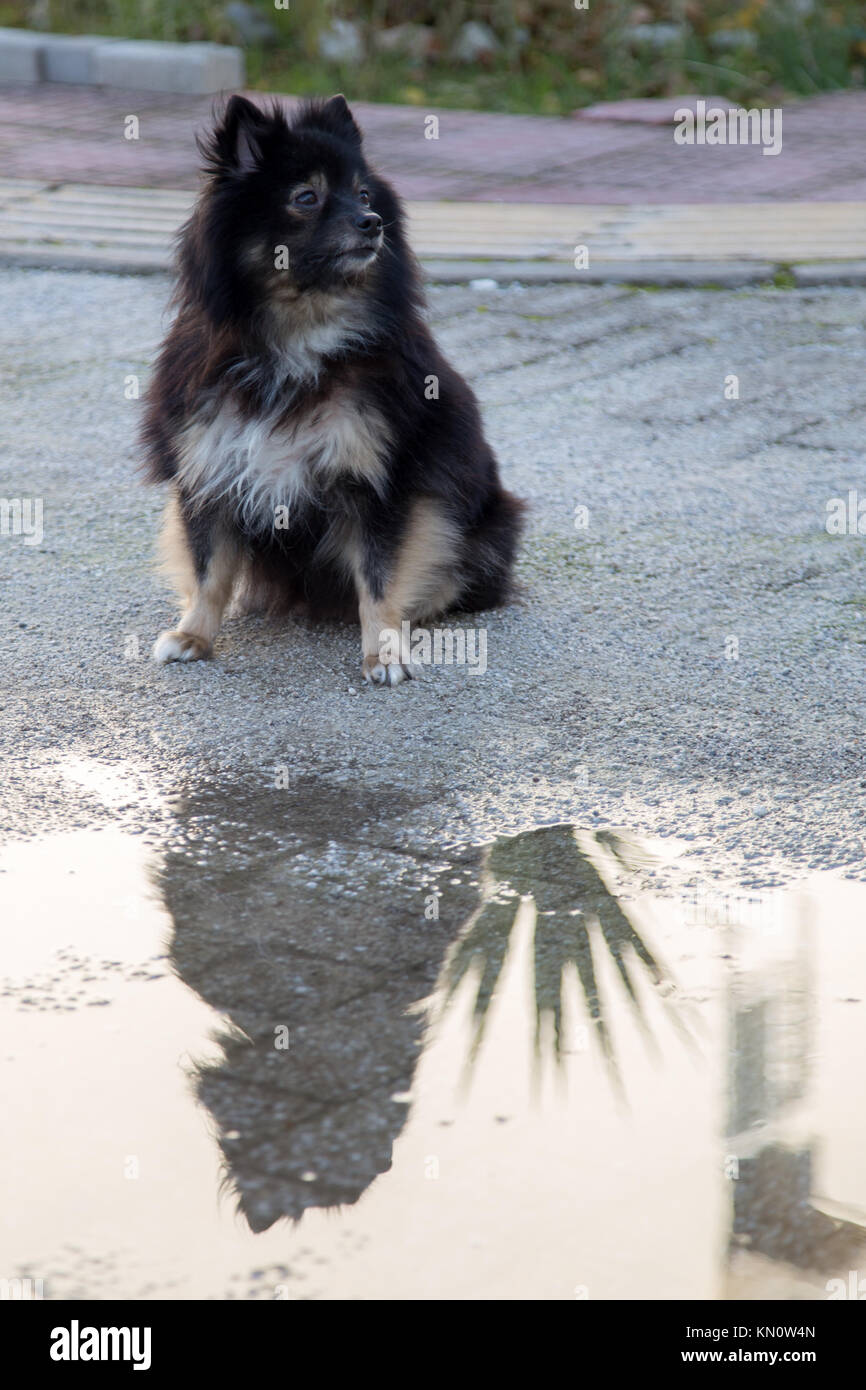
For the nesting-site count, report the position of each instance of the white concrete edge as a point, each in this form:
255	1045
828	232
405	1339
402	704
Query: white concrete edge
725	274
203	69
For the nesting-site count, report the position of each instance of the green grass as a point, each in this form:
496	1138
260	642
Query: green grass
567	59
784	279
540	88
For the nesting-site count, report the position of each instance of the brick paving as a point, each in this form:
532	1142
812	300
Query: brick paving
51	132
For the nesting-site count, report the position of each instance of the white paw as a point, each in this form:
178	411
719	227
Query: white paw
180	646
378	672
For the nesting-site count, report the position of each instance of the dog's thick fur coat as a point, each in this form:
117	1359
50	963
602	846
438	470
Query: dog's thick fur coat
322	455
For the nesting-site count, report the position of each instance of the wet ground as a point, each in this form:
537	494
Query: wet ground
545	981
280	1052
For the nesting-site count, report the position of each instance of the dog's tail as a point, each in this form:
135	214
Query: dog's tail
491	547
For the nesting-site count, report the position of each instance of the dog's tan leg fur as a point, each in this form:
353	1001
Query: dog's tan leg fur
205	600
421	585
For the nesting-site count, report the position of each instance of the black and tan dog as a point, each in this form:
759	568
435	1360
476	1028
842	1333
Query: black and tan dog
323	456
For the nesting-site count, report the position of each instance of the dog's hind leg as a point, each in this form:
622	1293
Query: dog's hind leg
420	581
204	563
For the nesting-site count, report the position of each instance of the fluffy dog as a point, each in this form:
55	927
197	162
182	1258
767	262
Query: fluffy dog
323	457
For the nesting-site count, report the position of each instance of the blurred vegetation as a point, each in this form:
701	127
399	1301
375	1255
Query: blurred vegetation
548	55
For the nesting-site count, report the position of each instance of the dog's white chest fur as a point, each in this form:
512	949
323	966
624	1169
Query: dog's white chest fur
259	466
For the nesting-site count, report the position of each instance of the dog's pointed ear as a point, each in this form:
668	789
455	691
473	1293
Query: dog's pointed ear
337	117
239	135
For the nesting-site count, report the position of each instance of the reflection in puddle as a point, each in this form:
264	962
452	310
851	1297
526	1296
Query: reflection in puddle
575	919
776	1072
516	1071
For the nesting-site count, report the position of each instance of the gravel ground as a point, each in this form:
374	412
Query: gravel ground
688	663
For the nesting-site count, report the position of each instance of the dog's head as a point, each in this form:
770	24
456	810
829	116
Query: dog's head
290	207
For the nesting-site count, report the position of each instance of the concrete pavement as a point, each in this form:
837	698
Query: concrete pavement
706	519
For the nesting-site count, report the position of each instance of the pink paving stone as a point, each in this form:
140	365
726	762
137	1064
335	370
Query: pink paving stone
60	133
647	110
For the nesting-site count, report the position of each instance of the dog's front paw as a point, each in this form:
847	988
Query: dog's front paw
180	646
379	672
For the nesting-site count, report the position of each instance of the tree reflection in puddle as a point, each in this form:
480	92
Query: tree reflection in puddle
576	916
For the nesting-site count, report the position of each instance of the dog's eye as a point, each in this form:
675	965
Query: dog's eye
306	197
364	196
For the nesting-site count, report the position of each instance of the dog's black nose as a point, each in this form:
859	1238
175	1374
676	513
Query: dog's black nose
370	223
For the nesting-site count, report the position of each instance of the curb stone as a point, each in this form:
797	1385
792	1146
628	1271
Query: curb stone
662	273
71	57
128	262
20	56
835	273
642	274
190	69
194	68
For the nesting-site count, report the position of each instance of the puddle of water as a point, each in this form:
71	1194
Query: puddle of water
114	785
273	1063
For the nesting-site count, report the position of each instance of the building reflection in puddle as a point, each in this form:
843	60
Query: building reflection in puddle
773	1158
